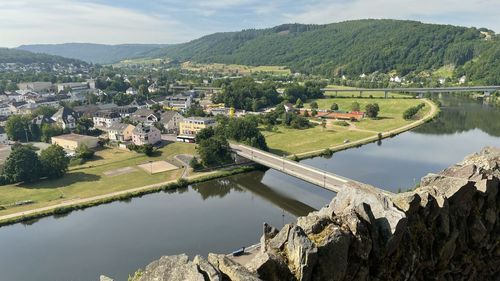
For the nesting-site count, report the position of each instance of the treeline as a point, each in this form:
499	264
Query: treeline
24	164
412	111
245	93
25	57
351	47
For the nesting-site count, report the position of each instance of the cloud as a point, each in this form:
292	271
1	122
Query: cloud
58	21
480	13
173	21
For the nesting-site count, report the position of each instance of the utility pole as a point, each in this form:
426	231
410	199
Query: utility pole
26	134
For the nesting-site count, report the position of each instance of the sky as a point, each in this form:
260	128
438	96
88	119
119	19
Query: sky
176	21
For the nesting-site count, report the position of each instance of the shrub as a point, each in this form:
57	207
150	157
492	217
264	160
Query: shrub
412	111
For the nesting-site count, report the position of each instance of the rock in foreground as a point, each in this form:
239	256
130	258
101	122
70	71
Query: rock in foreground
448	229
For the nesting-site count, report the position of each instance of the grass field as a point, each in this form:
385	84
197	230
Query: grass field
292	141
236	68
89	179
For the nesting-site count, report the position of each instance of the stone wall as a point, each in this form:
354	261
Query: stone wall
448	229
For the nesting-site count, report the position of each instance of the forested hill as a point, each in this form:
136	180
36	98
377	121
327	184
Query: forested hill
94	53
25	57
352	47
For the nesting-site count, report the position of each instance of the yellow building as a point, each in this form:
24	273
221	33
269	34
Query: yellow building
192	125
72	141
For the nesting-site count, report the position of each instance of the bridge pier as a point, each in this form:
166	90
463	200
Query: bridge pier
360	93
385	94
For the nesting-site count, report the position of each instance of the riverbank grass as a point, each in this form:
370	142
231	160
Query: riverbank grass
286	141
93	178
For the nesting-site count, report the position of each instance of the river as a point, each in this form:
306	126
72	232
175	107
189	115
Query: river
222	215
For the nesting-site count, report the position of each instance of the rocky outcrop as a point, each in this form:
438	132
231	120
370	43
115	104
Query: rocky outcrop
447	229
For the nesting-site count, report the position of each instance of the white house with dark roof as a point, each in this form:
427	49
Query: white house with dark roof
170	120
143	134
66	118
106	118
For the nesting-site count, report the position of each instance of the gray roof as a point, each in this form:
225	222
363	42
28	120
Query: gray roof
168	115
118	127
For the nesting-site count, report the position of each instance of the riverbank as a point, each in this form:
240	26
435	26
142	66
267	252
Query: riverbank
433	112
79	204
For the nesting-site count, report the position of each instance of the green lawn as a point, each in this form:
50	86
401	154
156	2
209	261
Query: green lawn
292	141
89	180
376	94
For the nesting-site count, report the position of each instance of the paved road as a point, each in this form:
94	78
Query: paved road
307	173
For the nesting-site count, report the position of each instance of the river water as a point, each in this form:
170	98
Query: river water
222	215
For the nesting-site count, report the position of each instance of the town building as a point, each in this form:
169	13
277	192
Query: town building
170	120
146	116
120	132
66	118
106	118
178	102
131	91
192	125
73	141
143	134
35	86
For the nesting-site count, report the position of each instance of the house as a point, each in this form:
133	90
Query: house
153	88
66	118
144	115
120	132
106	118
35	86
5	110
73	87
289	107
192	125
131	91
143	134
178	102
462	80
40	120
170	121
73	141
138	104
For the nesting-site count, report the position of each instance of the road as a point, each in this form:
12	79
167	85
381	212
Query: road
307	173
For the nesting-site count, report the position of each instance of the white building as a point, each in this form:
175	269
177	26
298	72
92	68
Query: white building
106	119
131	91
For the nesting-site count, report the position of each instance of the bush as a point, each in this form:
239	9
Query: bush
195	164
84	152
412	111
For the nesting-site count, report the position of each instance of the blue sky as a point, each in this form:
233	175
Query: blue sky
174	21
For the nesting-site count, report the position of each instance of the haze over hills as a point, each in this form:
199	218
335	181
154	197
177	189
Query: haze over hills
93	53
25	57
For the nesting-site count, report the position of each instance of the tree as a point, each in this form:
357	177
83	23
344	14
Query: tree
306	113
54	161
22	165
372	110
334	106
83	125
84	152
17	127
49	131
355	106
314	105
46	111
214	151
299	103
314	112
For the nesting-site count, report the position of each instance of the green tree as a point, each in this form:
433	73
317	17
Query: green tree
372	110
314	112
214	151
46	111
314	105
334	106
355	106
306	113
17	127
83	125
22	165
49	131
54	161
84	152
299	103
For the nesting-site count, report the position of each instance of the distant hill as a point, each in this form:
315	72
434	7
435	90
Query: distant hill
351	47
93	53
25	57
